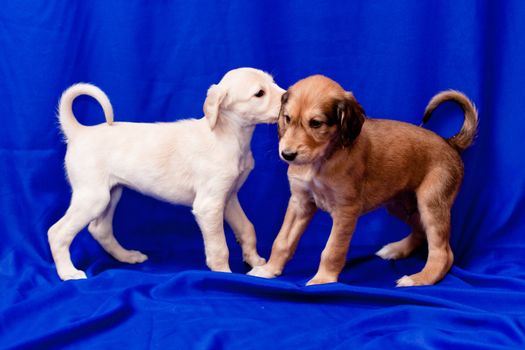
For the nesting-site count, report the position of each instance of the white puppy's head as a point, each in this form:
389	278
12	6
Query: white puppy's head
246	96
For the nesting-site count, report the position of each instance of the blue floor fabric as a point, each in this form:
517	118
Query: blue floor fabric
155	61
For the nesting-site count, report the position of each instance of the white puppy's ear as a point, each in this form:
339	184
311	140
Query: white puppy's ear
214	98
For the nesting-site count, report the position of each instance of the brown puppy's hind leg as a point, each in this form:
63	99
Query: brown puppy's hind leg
435	196
406	210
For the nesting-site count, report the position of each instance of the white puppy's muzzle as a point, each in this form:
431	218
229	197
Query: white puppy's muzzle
279	92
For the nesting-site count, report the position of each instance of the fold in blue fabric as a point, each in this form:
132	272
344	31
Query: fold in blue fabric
155	61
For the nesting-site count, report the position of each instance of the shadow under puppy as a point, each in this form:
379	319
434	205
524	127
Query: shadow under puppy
348	164
198	162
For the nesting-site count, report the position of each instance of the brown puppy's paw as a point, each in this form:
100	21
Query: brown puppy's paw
321	280
413	280
392	251
405	281
254	260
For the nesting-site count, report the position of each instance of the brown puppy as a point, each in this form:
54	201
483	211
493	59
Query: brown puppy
347	164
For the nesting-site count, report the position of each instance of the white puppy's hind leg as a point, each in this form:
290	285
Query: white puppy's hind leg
102	230
244	232
85	206
209	213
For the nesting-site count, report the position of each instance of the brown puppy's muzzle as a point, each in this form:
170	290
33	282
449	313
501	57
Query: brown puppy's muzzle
295	147
288	151
288	155
309	136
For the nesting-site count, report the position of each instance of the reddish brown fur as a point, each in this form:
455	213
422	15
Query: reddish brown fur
411	170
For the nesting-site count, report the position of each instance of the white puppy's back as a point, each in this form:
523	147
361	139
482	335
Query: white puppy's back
138	154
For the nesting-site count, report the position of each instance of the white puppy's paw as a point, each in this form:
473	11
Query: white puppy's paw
405	281
261	271
72	275
132	257
222	269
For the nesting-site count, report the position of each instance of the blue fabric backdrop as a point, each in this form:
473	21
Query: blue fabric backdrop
156	60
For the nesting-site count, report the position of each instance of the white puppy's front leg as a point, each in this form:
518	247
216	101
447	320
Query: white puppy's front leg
209	213
239	222
244	231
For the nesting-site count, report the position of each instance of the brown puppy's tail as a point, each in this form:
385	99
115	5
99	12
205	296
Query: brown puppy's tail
466	135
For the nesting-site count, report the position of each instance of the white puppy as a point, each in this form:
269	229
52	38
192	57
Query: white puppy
198	162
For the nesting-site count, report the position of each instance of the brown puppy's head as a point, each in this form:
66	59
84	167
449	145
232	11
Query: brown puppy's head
317	116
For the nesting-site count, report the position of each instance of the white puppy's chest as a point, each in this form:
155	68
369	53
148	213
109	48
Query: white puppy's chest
246	162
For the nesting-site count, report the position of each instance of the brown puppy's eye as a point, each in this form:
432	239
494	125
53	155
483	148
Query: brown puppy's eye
315	124
260	93
286	118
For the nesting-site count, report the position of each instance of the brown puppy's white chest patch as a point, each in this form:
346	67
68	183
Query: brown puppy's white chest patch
322	195
312	185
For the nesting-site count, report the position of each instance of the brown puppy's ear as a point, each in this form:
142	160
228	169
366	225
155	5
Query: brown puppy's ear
280	122
284	98
351	117
212	104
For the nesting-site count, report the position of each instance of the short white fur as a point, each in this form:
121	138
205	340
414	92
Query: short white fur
196	162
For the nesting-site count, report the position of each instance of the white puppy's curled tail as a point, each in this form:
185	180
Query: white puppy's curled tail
68	122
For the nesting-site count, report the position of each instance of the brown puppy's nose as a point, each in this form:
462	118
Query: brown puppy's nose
289	155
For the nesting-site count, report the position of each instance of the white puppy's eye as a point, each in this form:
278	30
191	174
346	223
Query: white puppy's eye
286	118
260	93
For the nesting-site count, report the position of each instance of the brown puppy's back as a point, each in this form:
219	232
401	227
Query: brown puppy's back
396	157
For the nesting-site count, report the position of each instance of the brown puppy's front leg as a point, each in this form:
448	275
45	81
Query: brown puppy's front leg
334	254
299	213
